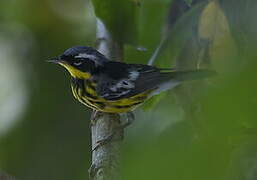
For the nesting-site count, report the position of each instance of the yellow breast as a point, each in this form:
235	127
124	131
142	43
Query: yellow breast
75	72
88	97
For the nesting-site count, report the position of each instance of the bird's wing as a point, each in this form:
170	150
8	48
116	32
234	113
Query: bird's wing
120	80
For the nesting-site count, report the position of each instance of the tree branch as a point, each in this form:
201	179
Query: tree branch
105	159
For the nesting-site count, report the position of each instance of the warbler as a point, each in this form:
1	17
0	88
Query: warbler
117	87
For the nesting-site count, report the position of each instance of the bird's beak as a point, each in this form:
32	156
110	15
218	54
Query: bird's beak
55	60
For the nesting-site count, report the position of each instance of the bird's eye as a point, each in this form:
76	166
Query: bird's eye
77	63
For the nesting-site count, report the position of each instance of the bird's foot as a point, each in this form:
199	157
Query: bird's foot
94	116
119	129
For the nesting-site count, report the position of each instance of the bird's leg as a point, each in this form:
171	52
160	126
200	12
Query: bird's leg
130	118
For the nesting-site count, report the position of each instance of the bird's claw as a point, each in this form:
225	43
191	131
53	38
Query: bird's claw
94	116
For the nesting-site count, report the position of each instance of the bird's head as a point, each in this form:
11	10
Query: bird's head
80	61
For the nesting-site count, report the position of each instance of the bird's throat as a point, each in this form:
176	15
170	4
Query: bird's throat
75	72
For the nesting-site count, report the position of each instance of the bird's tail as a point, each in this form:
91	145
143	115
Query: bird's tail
169	79
189	74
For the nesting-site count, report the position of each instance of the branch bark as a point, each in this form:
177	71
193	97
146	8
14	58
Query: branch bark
105	159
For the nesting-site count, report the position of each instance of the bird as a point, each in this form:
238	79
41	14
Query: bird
114	87
117	87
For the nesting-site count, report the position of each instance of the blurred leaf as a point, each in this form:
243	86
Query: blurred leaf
177	38
177	8
241	17
120	17
214	28
213	22
151	103
181	40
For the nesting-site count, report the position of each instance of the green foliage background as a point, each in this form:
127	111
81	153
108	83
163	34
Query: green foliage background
200	130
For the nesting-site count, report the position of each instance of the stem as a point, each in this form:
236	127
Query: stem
105	159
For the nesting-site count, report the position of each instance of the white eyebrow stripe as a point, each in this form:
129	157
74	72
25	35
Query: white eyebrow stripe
85	55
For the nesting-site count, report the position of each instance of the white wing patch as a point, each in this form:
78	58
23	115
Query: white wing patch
133	75
123	86
126	83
